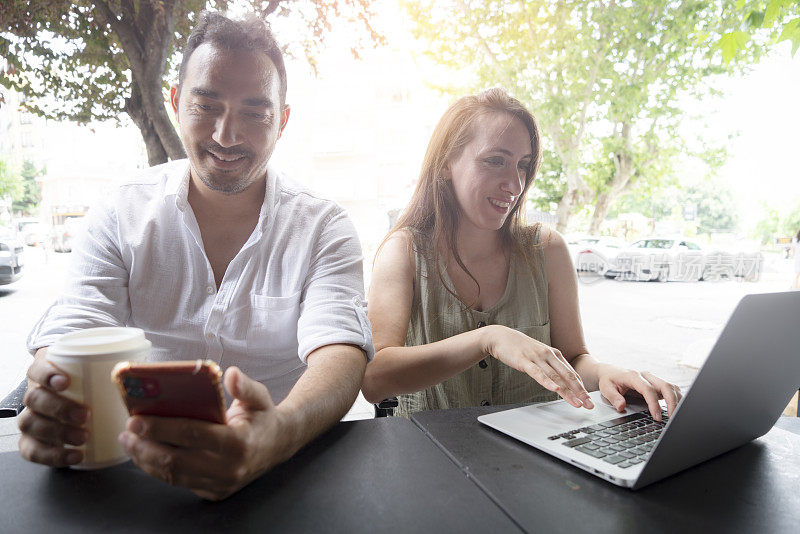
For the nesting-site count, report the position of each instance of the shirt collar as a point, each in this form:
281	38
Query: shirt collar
272	197
177	186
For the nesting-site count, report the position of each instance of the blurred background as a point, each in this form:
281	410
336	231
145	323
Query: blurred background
670	135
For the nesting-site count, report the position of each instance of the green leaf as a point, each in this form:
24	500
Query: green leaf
790	30
741	39
771	13
754	20
728	45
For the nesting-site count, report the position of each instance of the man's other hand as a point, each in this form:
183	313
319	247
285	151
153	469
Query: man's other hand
213	460
51	421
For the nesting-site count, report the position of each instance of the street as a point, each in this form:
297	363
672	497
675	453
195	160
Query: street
21	305
666	328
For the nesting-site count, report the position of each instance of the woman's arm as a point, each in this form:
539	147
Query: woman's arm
566	334
397	369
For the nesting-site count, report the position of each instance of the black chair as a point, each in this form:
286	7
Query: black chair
11	405
385	408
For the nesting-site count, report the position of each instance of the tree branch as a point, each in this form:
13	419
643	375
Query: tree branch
162	26
465	8
144	19
599	58
125	33
272	5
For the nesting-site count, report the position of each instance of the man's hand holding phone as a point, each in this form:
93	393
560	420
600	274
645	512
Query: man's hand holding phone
213	460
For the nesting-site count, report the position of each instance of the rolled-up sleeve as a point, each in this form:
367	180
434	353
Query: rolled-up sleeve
333	310
96	289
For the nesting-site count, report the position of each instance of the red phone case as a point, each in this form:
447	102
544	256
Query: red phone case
190	389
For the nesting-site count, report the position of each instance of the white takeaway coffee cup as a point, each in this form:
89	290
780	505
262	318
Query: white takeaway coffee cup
88	356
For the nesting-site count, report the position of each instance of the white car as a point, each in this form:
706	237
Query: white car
35	234
11	259
660	258
729	264
64	234
596	253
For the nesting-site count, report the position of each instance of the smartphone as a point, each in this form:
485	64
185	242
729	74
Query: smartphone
190	389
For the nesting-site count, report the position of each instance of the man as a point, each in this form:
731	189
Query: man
217	257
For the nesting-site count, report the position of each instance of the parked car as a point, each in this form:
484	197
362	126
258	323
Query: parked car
64	234
731	264
34	234
660	258
21	223
597	253
11	259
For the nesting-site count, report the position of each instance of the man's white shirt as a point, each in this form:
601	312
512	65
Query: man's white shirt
296	284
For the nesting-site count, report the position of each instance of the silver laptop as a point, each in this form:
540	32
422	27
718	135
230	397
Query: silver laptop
741	390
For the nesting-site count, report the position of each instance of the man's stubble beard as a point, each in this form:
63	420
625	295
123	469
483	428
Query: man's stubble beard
226	187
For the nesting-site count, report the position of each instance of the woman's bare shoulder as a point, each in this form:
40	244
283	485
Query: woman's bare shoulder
551	239
397	251
539	235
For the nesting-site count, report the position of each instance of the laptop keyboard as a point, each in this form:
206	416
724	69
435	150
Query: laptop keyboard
625	441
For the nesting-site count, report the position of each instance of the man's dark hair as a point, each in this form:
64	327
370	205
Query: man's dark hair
251	33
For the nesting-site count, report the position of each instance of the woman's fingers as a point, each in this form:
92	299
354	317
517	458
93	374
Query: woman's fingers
570	377
536	372
633	380
551	379
669	392
544	364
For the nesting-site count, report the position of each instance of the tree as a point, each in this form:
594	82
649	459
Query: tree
713	202
709	198
95	59
597	73
766	228
777	223
779	20
10	183
31	195
549	186
658	204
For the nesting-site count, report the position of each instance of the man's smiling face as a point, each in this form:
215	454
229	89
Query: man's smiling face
230	116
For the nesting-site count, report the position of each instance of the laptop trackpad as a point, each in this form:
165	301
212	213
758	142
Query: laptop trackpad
562	413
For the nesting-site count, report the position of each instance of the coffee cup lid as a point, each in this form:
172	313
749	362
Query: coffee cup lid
102	340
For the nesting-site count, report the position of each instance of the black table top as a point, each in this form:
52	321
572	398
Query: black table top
380	475
755	488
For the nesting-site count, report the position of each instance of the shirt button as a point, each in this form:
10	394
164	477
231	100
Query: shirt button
210	290
481	324
210	336
483	364
485	403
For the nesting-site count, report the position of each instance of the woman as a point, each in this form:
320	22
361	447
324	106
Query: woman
468	305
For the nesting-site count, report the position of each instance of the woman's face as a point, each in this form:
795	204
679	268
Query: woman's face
489	174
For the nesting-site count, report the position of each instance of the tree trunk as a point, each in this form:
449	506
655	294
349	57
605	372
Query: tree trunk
152	104
564	209
145	37
151	70
577	193
156	154
601	208
623	172
619	183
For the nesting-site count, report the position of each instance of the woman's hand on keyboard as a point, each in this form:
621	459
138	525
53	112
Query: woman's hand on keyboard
615	382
